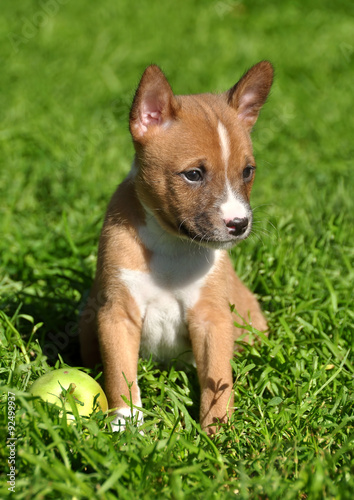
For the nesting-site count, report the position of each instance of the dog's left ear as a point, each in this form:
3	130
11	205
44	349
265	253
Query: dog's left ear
250	93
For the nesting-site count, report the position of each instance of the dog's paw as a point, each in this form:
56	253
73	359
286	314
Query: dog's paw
125	414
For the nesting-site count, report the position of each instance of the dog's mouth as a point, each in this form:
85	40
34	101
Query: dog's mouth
223	236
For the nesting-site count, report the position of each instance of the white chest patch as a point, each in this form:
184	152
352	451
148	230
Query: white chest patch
164	296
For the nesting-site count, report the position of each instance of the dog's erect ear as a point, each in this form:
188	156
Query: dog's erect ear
154	104
251	92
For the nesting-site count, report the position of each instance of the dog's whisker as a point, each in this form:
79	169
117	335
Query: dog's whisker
257	207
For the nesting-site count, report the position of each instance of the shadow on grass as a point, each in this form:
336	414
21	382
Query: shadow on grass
55	299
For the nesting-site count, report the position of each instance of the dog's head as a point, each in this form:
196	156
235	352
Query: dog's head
194	159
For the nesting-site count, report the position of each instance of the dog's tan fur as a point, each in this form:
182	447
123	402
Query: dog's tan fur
170	233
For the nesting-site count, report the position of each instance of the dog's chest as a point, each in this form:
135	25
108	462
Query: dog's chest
164	295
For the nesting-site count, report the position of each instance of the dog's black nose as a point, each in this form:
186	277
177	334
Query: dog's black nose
237	226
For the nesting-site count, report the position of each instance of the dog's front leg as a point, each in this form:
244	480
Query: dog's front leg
213	345
119	336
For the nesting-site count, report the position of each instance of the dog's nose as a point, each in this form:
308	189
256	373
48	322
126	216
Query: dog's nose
237	226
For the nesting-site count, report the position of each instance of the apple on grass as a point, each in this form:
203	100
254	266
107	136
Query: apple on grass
69	385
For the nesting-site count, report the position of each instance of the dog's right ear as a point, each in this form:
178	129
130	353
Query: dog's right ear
154	105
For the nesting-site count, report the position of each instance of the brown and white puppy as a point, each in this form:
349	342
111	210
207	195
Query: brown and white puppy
164	281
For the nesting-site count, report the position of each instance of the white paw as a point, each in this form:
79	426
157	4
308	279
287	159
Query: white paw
125	414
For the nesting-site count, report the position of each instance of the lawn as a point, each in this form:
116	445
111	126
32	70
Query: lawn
69	71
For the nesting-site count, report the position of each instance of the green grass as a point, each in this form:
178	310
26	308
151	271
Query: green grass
69	70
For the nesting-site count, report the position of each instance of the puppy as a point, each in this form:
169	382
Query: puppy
164	282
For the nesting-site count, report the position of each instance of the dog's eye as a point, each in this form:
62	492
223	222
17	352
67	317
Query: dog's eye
194	175
247	173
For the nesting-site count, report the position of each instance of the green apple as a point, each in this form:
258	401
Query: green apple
55	385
